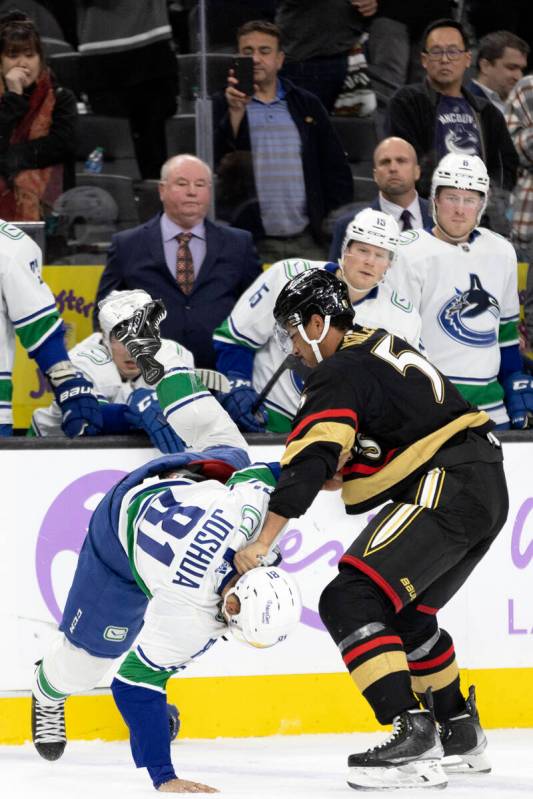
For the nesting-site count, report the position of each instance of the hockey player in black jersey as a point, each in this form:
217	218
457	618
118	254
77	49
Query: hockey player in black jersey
379	421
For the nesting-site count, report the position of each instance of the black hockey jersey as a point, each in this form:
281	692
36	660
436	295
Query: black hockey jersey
379	405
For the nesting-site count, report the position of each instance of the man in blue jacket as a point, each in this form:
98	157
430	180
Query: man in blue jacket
199	269
285	141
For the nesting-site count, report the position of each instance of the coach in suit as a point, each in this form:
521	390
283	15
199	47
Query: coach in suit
396	171
199	269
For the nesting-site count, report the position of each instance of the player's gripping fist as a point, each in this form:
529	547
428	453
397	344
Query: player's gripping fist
75	396
240	402
144	413
518	389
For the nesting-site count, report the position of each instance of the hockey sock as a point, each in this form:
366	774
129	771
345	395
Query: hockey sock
437	669
43	690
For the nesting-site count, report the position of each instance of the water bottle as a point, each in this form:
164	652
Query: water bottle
95	161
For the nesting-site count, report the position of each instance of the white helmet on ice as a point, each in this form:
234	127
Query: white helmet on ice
372	227
461	172
270	606
119	306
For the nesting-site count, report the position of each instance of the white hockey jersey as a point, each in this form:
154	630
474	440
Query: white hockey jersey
176	534
251	325
467	297
92	357
27	306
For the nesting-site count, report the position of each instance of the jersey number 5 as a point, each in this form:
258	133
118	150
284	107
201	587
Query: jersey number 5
407	358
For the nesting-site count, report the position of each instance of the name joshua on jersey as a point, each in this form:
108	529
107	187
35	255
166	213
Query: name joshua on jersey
201	550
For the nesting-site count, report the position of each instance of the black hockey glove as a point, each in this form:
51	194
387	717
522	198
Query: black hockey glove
141	337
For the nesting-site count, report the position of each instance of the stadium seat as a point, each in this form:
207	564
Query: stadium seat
180	134
148	202
121	189
114	135
359	138
66	67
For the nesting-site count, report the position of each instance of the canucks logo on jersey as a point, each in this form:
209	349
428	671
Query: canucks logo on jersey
469	304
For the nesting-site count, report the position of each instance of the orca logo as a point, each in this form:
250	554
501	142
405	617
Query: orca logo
470	304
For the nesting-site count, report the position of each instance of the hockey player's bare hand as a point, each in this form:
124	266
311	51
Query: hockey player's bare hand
185	786
250	557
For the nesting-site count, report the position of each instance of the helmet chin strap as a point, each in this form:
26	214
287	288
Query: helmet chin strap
316	341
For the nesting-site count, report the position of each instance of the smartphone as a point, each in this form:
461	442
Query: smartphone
243	70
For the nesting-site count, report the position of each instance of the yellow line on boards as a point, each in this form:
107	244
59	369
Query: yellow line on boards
234	707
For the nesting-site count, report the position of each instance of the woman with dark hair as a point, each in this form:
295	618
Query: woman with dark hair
37	124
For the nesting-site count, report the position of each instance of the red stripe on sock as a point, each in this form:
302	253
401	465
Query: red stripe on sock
418	665
362	648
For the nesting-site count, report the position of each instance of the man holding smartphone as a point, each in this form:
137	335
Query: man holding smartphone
299	169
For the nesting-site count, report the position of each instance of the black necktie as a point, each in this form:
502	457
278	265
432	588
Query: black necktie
405	216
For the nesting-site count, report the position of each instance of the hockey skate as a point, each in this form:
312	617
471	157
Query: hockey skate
48	728
464	741
409	758
141	337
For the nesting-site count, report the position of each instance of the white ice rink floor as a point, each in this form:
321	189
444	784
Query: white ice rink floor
281	767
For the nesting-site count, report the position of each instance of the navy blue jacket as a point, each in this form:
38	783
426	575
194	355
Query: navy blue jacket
339	228
327	175
136	260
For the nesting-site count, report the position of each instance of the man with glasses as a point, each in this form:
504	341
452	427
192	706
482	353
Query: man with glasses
463	281
199	269
440	116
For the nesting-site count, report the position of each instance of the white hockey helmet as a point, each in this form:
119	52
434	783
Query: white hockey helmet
461	172
119	306
372	227
270	607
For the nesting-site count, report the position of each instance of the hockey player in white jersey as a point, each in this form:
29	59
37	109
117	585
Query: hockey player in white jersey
28	310
126	400
245	344
463	280
156	569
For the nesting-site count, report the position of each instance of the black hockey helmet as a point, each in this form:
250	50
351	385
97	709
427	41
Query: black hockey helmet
314	291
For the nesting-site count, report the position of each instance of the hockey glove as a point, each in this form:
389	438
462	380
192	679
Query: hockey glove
141	337
239	403
144	413
518	389
6	430
75	396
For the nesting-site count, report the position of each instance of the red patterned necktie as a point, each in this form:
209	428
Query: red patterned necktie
184	263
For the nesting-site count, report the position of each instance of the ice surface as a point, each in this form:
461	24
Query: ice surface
279	767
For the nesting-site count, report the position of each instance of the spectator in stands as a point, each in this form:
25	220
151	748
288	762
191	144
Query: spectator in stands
317	39
300	170
396	171
440	116
402	23
519	120
501	61
199	269
37	125
129	70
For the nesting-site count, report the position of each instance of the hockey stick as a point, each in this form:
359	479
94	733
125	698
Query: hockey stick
290	362
214	381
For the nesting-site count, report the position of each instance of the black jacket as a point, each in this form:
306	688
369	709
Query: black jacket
328	179
412	113
57	147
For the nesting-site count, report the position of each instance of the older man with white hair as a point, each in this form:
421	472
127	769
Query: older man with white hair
199	269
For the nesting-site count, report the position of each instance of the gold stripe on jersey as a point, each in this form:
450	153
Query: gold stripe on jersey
373	670
437	680
420	452
392	526
430	488
330	432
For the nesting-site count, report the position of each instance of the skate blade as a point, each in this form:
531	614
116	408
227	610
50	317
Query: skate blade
418	774
466	764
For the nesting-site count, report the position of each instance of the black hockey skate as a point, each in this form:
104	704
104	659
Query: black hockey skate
141	337
464	741
48	729
409	758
